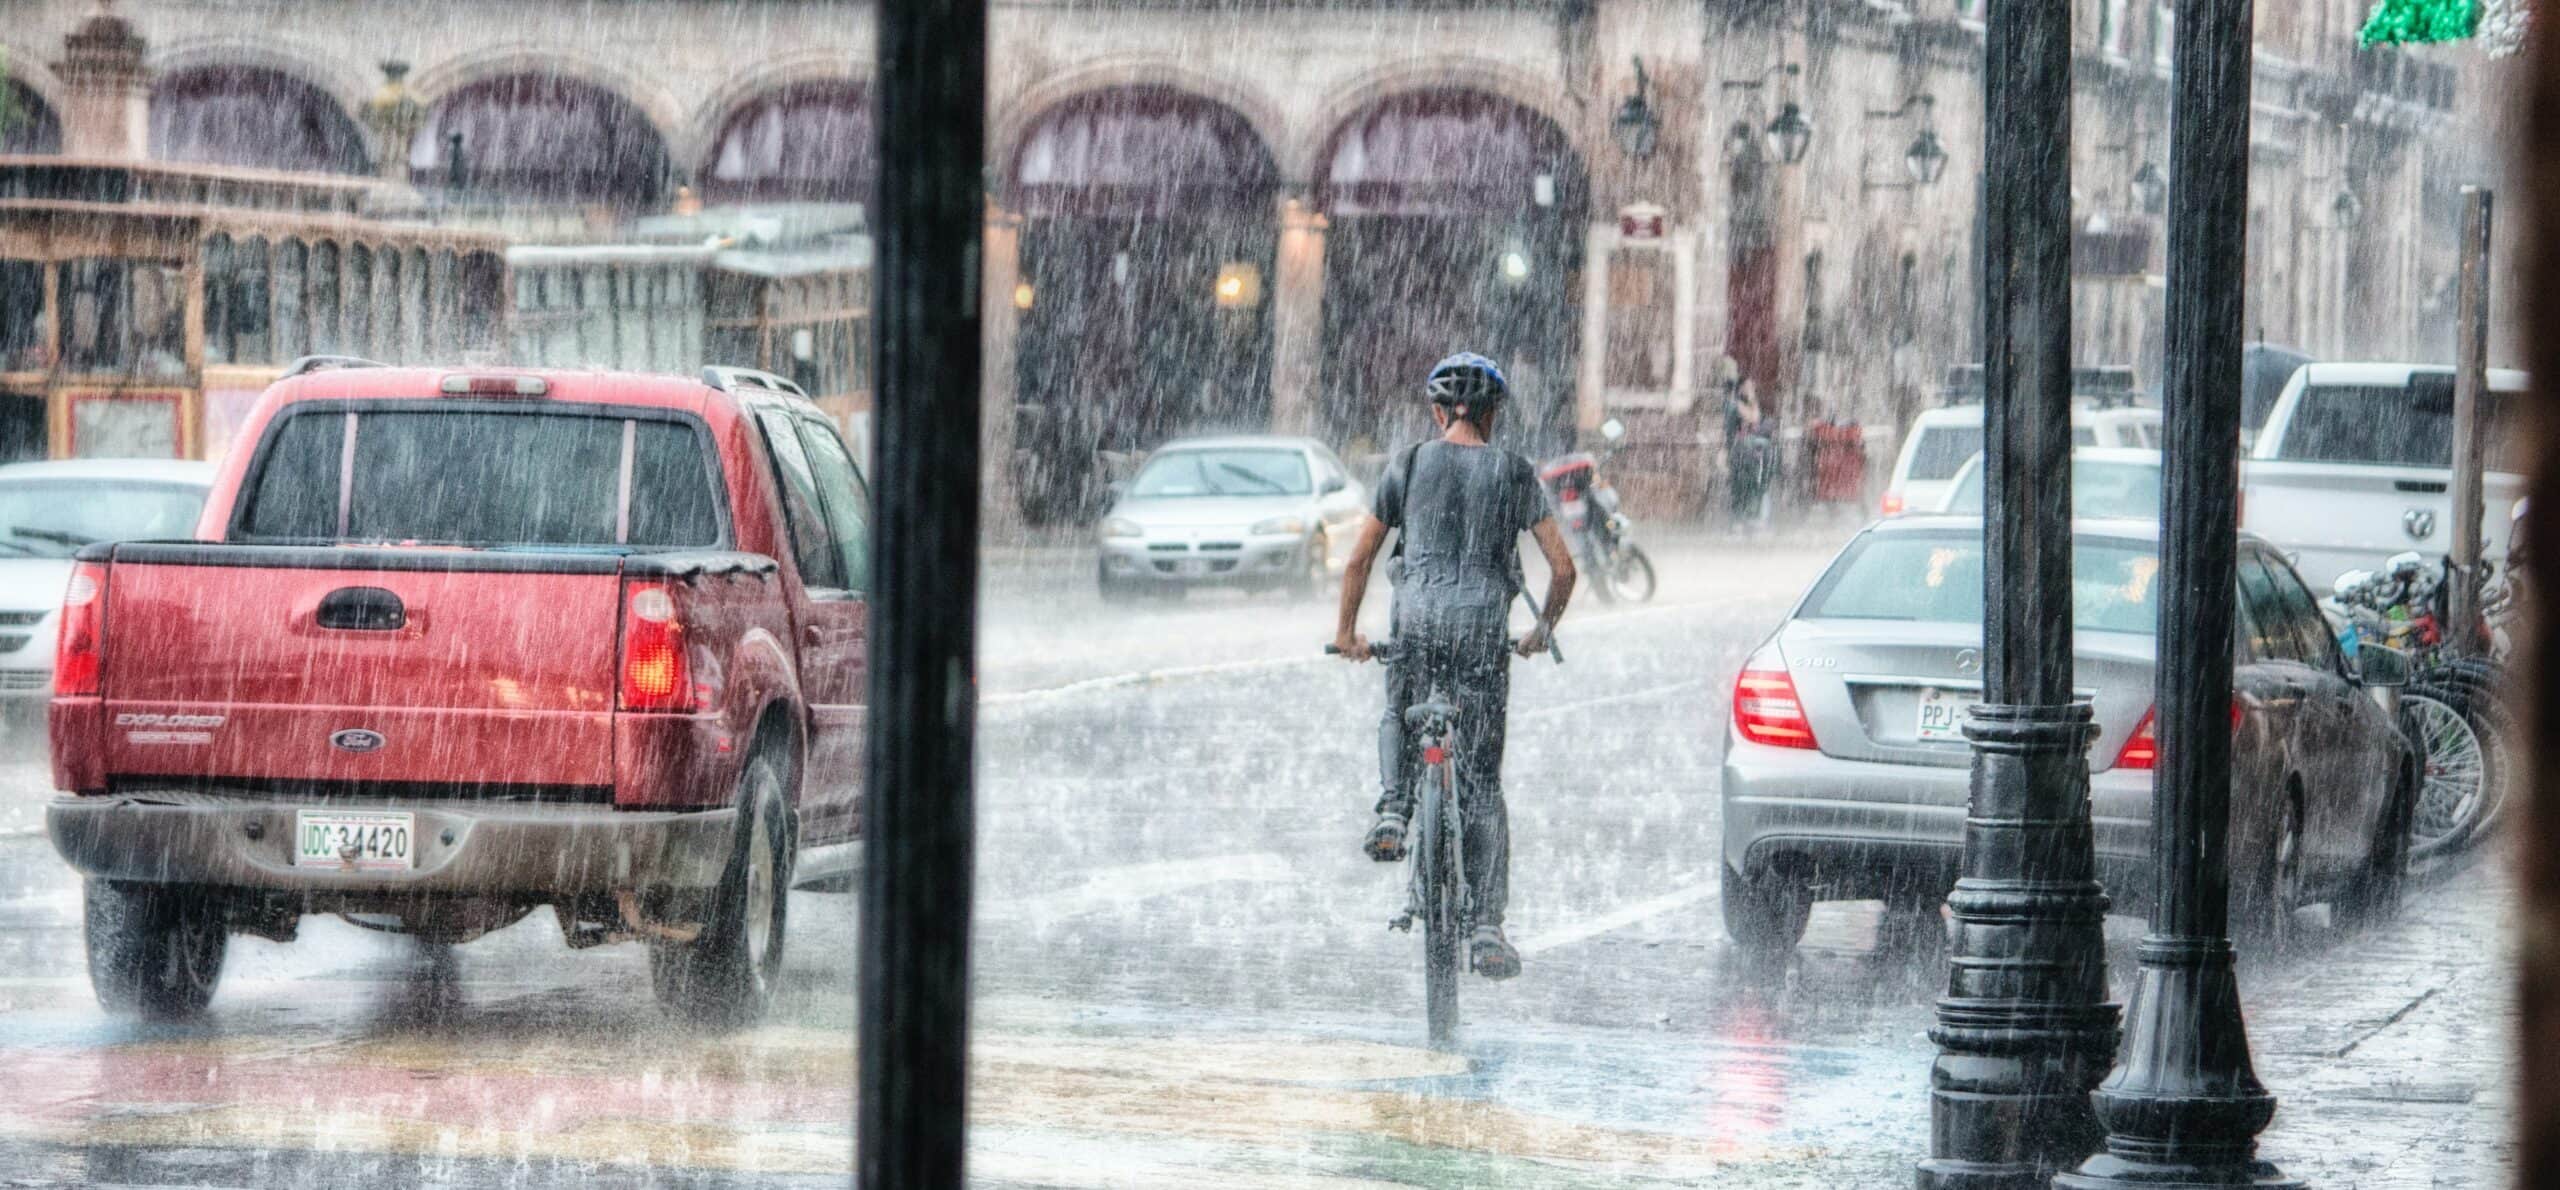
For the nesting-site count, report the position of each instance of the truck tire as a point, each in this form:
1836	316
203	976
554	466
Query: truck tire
1765	917
725	977
155	950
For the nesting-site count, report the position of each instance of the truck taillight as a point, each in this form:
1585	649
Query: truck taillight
1892	504
655	676
1766	710
84	631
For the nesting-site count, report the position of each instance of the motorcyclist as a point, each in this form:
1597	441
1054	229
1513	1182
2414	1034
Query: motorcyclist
1460	505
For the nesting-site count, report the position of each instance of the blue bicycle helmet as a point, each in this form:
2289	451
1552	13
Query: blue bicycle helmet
1467	379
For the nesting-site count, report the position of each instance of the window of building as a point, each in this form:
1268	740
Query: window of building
21	315
293	328
123	316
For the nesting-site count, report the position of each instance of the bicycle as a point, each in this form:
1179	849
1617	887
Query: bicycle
1437	891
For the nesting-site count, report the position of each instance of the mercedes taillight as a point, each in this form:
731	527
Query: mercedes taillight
655	675
84	631
2142	749
1766	710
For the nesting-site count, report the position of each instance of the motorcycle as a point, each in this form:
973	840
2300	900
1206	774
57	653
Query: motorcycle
1602	537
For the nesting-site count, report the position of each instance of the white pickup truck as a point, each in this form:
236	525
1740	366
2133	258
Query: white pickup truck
2356	462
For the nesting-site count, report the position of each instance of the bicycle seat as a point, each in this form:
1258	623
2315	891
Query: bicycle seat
1435	709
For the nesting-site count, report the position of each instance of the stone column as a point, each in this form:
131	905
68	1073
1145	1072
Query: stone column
1591	394
1000	309
1297	316
107	92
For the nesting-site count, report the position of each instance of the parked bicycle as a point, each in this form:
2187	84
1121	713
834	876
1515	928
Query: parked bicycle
2453	708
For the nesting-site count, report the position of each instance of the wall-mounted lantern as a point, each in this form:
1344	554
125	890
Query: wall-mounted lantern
1637	126
1925	161
1787	137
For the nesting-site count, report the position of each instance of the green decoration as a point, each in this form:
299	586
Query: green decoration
2403	22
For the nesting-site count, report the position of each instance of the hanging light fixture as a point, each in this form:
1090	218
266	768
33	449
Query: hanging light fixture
2150	189
1790	135
1637	126
1787	137
1926	159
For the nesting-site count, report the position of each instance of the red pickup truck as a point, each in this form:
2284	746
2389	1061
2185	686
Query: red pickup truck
454	645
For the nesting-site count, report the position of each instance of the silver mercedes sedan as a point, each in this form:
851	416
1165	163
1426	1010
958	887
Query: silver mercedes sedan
1258	512
1846	768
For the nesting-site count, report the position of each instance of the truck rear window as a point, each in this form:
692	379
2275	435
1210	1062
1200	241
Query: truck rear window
1943	449
484	477
2392	425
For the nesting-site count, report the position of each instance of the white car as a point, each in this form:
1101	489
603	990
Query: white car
47	512
2107	483
1942	439
1261	513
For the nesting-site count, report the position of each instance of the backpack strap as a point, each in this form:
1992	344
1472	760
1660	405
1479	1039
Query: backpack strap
1403	466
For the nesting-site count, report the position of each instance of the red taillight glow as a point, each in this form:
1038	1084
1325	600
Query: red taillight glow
1766	711
2142	749
1892	504
84	629
655	676
496	386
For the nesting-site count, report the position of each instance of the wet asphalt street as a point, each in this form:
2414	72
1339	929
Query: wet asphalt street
1184	977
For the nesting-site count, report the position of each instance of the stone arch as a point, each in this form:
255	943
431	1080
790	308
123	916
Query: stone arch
807	139
1014	118
346	84
702	128
432	82
221	112
34	123
28	69
544	137
1315	138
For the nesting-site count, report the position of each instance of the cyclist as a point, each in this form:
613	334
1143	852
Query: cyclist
1461	505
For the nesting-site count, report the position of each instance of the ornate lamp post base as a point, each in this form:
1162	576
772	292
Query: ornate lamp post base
2184	1108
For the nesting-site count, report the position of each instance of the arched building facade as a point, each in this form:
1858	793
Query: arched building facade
1220	215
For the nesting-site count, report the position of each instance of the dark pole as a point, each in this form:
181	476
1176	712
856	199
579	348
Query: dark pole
2025	1029
2184	1107
912	1087
2470	429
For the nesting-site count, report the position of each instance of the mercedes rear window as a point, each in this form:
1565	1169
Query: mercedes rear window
484	477
1937	578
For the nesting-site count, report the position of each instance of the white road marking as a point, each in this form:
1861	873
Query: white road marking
1567	708
1129	884
1619	919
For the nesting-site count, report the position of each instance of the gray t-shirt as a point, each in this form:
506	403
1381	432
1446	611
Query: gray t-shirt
1461	510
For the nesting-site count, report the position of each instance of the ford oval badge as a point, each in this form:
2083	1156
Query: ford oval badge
357	739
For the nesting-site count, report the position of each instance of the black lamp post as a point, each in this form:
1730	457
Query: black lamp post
2025	1030
911	1089
1637	126
2183	1106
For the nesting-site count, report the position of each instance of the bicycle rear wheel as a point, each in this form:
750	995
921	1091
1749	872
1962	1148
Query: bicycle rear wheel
1443	934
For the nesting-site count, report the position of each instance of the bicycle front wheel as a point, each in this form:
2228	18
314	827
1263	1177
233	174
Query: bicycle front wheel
1443	941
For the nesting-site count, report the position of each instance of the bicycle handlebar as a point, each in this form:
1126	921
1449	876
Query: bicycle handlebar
1386	650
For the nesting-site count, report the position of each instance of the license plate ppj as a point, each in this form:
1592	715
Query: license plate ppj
1941	715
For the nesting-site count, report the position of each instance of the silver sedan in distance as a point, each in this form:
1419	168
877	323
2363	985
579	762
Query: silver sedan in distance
1262	513
1846	767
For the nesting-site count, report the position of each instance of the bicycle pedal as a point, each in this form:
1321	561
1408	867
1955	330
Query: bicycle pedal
1402	922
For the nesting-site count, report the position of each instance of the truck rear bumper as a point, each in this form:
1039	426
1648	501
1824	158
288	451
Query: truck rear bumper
460	847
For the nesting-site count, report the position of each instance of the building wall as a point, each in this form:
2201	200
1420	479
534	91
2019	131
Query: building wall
1874	287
